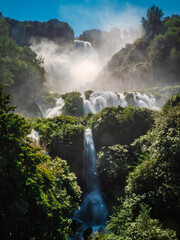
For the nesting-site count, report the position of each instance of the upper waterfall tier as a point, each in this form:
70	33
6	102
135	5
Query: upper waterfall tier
99	100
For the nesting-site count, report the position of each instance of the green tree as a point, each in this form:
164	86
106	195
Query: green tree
152	24
38	195
73	104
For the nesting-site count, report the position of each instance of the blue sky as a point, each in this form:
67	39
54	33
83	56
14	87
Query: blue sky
87	14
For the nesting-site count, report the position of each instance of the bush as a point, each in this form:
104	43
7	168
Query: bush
174	101
63	137
114	163
38	195
143	227
120	125
73	104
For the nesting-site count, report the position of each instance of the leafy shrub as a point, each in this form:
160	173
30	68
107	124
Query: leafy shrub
73	104
38	195
63	137
120	125
172	102
114	163
143	227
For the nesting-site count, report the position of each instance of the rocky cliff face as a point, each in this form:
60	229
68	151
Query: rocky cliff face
24	32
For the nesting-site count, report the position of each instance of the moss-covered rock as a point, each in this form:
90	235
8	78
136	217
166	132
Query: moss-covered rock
87	94
129	97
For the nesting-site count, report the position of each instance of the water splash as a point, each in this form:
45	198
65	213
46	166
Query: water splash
145	101
56	111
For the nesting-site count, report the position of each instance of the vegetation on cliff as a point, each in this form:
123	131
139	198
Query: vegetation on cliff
73	104
38	194
120	125
151	60
22	75
149	180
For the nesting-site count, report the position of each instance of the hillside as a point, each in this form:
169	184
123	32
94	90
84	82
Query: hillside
150	61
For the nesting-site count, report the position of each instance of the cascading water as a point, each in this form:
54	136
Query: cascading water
56	111
99	100
93	213
39	106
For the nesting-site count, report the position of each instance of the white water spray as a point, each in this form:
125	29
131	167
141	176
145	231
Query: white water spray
56	111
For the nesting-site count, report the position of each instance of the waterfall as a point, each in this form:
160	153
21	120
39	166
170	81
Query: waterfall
93	214
34	136
79	44
99	100
39	106
145	101
56	111
91	179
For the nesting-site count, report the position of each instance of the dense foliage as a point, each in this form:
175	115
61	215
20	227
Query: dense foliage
114	163
22	75
152	24
63	137
152	189
73	104
38	195
120	125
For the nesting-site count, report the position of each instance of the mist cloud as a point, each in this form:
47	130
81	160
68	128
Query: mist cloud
73	68
68	70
